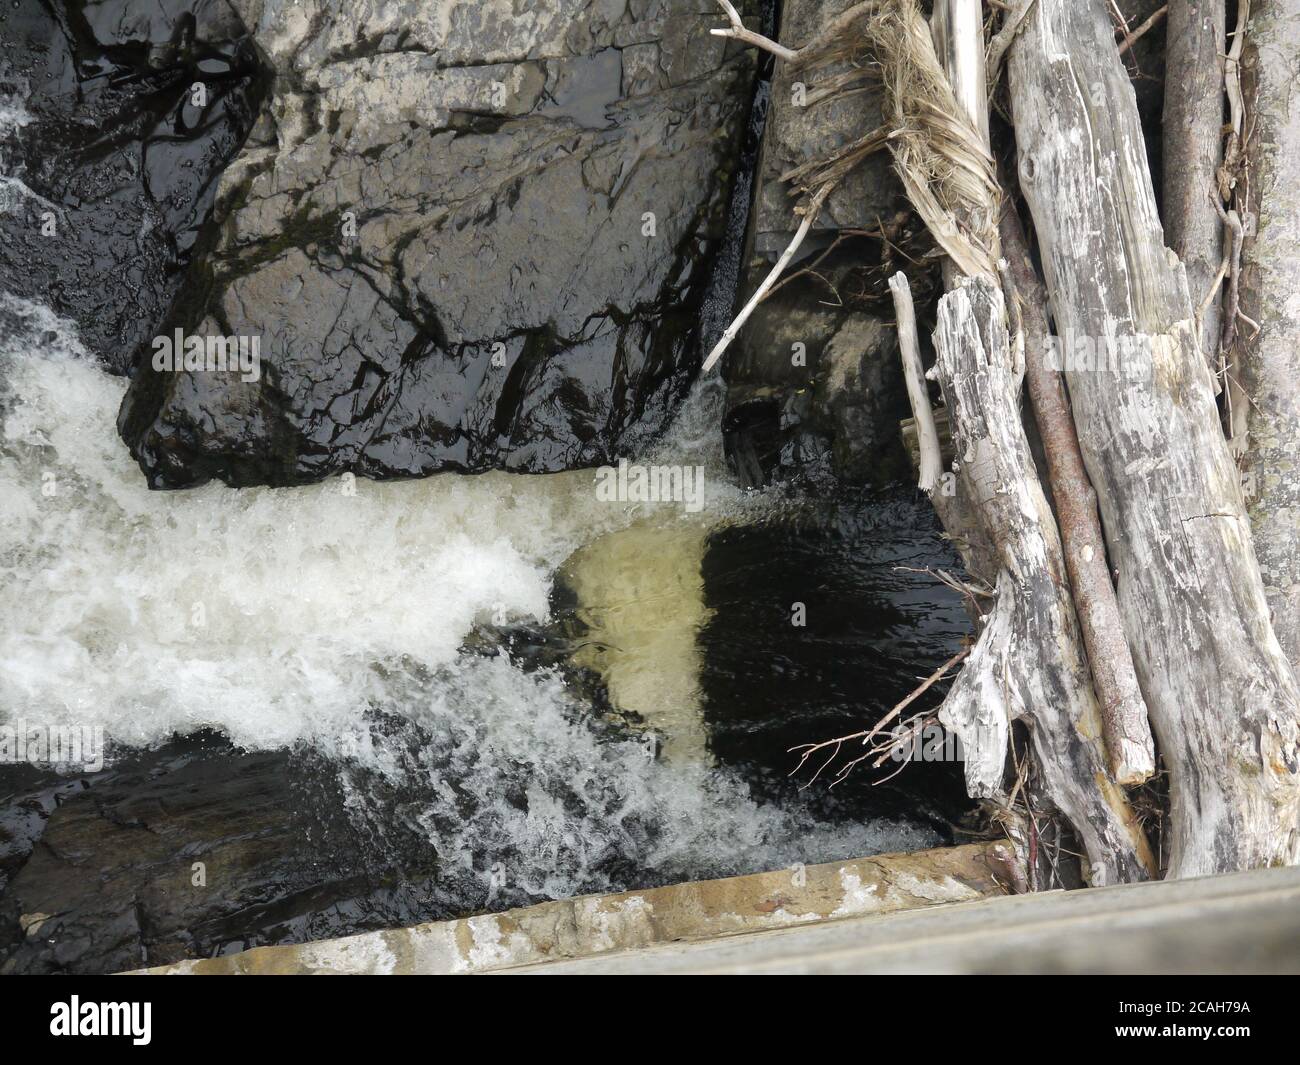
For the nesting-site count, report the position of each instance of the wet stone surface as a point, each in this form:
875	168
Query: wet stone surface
465	238
192	849
815	387
109	157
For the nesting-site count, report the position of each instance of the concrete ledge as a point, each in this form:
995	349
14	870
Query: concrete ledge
1239	923
599	924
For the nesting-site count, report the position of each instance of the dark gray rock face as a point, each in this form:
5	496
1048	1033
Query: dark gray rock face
109	157
469	235
105	875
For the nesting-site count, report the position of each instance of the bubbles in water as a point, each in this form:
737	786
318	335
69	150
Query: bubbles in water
517	795
333	616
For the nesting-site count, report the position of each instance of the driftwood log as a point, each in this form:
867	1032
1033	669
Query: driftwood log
1193	150
1028	662
1221	694
1125	725
1031	567
1269	393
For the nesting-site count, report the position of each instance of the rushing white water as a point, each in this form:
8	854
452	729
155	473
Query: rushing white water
290	617
13	117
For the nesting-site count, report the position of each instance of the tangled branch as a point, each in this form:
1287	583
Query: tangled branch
881	749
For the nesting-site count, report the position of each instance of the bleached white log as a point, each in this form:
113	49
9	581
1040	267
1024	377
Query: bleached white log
1028	661
1222	697
930	461
1269	396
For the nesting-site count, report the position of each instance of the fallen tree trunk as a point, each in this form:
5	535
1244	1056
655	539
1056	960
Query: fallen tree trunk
1060	703
1193	149
1221	695
1270	361
1028	662
1129	746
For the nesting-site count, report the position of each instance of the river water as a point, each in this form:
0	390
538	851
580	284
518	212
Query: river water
528	688
333	618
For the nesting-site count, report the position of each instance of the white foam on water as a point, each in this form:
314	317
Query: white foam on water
13	115
280	616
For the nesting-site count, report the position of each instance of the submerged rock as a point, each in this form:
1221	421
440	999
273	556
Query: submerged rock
190	851
116	118
465	237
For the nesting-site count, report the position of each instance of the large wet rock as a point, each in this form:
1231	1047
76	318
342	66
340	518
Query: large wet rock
468	236
189	851
109	156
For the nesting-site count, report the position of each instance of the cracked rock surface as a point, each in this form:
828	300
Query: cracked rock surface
814	382
117	118
469	235
192	850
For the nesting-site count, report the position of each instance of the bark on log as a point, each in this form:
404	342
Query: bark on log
1193	149
1028	661
1270	362
1129	746
1221	695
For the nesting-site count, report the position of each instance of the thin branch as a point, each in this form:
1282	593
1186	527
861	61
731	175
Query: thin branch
737	32
1012	24
810	216
867	735
1232	221
1132	36
909	347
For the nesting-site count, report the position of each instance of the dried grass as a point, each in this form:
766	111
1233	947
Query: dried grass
947	173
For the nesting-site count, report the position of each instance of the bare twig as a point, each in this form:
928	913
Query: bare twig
997	50
867	735
1213	291
1131	37
927	436
737	32
1232	80
1233	187
810	216
1232	221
